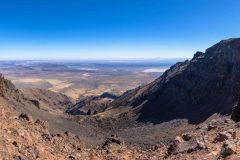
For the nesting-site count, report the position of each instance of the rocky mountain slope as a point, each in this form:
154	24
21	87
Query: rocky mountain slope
58	123
49	100
93	129
195	90
21	137
9	91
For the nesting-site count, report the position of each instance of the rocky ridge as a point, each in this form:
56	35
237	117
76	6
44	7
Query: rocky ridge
194	89
91	105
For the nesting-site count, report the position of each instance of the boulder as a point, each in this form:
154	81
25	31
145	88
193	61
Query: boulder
25	117
222	136
44	124
178	145
36	103
228	148
186	136
112	140
46	136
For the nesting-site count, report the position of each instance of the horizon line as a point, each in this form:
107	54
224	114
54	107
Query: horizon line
99	59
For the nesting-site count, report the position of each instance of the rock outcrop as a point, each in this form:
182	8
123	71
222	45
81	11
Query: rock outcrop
8	90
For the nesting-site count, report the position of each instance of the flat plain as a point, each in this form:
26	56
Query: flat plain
78	79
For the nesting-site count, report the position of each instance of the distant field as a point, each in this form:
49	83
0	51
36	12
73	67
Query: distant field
83	78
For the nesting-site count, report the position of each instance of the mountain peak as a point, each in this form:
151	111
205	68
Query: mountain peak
228	46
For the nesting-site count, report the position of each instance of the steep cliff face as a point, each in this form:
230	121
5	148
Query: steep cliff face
209	83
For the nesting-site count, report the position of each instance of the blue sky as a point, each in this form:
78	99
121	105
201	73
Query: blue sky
114	29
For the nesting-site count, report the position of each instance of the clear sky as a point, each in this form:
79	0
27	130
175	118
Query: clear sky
114	29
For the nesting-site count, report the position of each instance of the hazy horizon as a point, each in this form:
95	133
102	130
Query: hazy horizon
101	59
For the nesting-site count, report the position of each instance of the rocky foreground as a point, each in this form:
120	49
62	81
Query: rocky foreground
22	138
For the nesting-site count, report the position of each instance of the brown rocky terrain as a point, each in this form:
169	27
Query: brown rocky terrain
93	129
24	138
58	123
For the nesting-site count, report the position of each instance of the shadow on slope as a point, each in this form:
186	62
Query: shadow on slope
194	90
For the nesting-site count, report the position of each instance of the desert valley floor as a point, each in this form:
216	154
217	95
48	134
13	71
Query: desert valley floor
78	79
